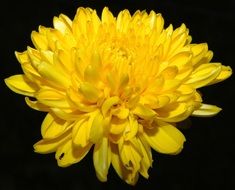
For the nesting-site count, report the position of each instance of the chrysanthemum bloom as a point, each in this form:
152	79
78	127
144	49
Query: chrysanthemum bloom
117	86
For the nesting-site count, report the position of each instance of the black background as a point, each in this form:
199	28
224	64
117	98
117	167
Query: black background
207	160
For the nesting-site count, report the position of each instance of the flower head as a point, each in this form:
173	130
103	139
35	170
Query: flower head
119	85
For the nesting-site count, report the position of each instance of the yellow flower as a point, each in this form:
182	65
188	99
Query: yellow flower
118	85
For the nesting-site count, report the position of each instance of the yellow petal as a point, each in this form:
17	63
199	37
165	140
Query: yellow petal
66	20
130	156
204	74
169	72
52	98
109	103
117	126
170	85
123	20
53	127
206	110
53	75
175	112
156	101
90	92
107	17
146	161
181	59
116	162
165	138
79	133
39	41
36	105
144	112
198	48
124	79
130	177
156	21
67	154
225	73
60	25
185	89
102	159
131	128
77	101
121	113
82	129
97	128
201	54
50	145
21	85
22	57
92	71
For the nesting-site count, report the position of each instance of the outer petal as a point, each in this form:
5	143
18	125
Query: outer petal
20	85
51	145
53	127
79	132
52	98
67	154
97	128
130	177
165	138
146	160
206	110
204	74
102	159
175	112
39	40
36	105
225	73
130	156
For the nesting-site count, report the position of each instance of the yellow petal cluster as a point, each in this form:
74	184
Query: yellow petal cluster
116	86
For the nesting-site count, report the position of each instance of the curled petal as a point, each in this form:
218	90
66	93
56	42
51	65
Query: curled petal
121	113
109	103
